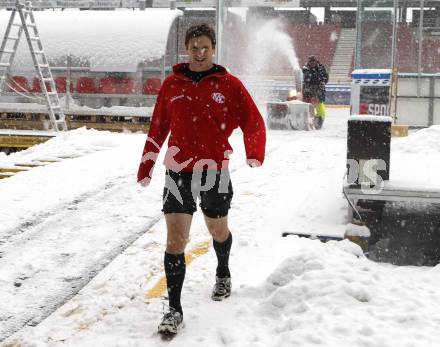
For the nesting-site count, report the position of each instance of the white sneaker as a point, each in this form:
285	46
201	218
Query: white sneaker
172	323
222	289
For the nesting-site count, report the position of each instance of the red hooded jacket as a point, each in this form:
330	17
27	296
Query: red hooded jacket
200	118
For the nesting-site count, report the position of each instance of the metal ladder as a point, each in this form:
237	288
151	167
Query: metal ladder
8	50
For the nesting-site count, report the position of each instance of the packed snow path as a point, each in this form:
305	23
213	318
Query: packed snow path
75	216
286	291
61	225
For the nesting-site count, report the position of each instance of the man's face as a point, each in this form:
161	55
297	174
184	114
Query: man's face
200	52
312	62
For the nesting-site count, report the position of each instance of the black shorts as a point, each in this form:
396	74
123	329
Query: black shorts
213	188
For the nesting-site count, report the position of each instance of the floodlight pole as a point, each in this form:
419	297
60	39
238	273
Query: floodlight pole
393	85
394	38
419	58
358	46
220	19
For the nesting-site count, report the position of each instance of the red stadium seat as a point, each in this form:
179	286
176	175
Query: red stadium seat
19	83
430	55
315	39
377	48
86	85
61	84
152	86
36	88
130	86
108	85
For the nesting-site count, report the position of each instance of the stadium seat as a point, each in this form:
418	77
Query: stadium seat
61	84
36	88
152	86
376	45
129	86
86	85
315	39
406	57
430	54
19	83
108	85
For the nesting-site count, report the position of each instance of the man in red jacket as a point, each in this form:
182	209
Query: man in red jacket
199	105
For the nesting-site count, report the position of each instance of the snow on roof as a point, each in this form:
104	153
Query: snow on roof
104	40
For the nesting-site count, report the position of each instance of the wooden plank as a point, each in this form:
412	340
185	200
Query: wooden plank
21	141
21	124
113	126
30	164
6	175
136	124
12	169
48	161
399	130
68	156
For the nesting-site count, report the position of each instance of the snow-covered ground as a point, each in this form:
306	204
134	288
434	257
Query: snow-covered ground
62	223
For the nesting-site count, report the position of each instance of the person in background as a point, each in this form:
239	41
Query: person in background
198	106
315	77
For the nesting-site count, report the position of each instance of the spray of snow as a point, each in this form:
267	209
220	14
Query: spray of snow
270	56
268	41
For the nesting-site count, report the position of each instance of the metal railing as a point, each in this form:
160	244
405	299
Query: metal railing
111	4
86	4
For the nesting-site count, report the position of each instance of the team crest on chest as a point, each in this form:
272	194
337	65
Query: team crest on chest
218	98
177	97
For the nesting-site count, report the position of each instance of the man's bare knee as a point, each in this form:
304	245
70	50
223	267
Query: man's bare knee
174	247
178	225
218	228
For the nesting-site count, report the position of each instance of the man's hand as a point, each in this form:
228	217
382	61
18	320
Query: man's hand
253	162
145	182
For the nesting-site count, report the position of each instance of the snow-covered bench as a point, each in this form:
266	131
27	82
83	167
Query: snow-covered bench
391	191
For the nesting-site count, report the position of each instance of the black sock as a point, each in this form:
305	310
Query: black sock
175	268
222	250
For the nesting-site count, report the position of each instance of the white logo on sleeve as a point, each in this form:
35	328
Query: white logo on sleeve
218	98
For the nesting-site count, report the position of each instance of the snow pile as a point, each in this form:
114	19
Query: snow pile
424	141
71	144
325	294
104	40
357	230
415	160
